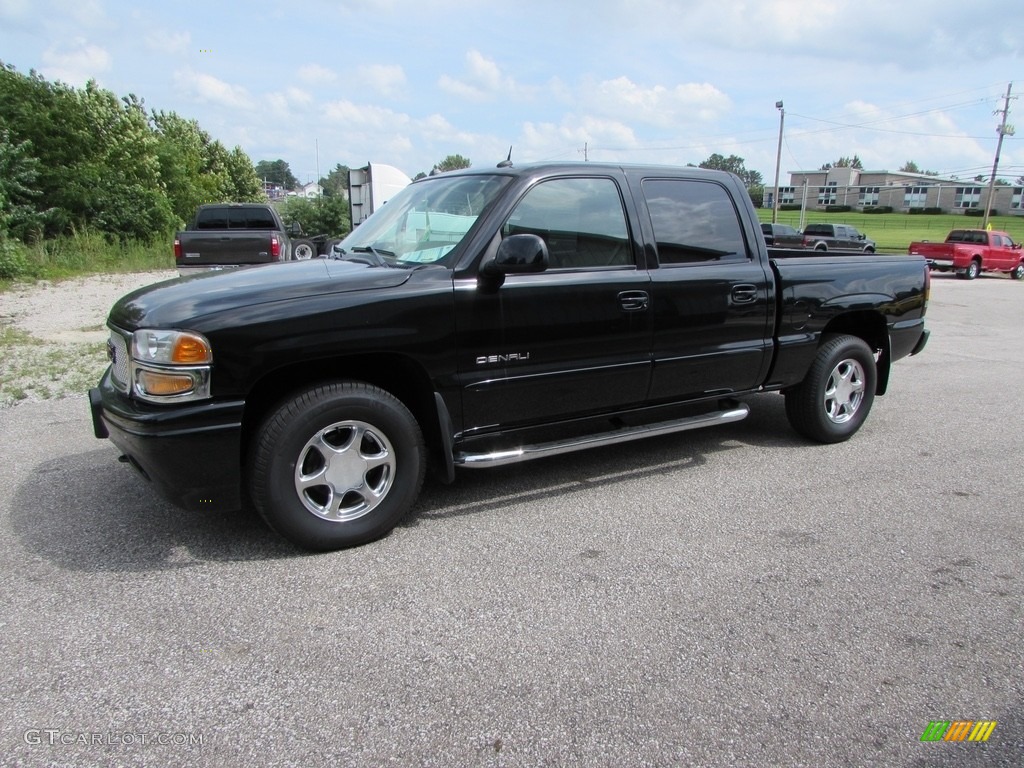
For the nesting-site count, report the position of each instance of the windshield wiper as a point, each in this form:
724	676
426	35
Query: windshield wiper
377	253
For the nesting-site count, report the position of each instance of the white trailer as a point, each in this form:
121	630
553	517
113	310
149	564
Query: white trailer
370	187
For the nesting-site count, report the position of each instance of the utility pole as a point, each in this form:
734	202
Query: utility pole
1002	130
585	151
778	163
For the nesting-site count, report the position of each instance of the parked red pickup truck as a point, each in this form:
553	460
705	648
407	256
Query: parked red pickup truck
969	252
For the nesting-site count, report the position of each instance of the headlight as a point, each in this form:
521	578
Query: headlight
170	366
171	348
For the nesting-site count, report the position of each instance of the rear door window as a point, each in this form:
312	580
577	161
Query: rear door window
695	222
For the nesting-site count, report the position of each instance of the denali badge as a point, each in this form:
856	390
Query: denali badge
512	357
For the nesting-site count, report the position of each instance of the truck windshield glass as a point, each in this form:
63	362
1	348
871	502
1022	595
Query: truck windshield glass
424	222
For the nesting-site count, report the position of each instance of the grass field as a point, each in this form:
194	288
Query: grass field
895	231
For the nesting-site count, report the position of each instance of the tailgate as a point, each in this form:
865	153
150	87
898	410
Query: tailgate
223	247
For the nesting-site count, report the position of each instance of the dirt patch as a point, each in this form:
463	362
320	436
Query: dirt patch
53	334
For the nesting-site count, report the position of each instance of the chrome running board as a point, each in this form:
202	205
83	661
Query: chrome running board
623	435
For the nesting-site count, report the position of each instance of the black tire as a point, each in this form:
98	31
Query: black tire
972	271
821	247
835	397
303	250
1017	273
361	442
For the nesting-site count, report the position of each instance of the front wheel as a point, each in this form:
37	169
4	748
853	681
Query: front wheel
835	397
1017	273
337	465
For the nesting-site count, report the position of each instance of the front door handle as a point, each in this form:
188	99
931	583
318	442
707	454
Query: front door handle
634	301
744	293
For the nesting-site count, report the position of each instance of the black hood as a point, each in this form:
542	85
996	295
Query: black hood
179	303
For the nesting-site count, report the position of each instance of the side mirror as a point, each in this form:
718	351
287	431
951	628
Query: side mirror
517	255
295	228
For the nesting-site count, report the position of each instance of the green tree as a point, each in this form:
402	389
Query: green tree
845	162
453	163
910	167
321	216
335	183
276	172
733	164
18	174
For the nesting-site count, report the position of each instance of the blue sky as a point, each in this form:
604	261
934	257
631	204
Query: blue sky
408	82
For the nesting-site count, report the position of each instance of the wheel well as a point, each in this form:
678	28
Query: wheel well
396	374
869	326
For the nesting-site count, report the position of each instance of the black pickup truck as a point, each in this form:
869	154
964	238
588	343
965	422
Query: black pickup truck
226	235
484	317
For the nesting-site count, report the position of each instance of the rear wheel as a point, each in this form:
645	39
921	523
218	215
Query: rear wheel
835	397
337	465
972	271
303	250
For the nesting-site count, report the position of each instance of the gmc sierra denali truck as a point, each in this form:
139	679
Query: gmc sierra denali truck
484	317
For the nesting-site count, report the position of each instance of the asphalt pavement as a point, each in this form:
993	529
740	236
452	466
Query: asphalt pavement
728	597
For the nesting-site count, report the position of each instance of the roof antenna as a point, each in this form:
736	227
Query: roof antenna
507	162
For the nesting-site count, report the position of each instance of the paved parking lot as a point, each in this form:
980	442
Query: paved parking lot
733	597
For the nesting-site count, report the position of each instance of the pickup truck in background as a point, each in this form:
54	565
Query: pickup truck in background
234	235
490	316
969	252
781	236
828	237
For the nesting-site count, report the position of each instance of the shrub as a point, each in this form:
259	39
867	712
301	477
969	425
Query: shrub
14	262
837	208
878	209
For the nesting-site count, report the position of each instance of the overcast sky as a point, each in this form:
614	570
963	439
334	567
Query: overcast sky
408	82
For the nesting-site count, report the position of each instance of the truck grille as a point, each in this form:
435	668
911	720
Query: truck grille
117	351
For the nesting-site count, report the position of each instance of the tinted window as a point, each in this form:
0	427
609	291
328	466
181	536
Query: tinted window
581	220
251	218
212	218
694	221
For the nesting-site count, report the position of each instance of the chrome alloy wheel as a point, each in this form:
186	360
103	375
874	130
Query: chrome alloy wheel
344	471
844	391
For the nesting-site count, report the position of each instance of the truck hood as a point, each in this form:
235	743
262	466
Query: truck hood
177	303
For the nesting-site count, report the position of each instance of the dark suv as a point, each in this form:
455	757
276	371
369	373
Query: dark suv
825	237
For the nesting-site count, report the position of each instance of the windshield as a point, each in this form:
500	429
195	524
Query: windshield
425	221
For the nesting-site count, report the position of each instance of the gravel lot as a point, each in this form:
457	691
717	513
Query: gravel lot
727	597
54	333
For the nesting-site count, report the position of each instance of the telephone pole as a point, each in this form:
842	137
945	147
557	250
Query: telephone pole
1002	130
778	162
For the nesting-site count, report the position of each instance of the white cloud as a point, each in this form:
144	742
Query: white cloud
482	81
363	116
177	44
687	103
387	79
76	64
209	89
316	74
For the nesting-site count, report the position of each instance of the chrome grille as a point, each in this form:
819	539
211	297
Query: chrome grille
117	351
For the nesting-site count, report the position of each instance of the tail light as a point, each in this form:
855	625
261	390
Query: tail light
177	249
275	248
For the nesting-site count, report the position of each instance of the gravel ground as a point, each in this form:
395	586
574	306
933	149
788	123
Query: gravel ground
53	334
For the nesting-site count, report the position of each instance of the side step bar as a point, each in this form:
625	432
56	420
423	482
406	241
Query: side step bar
737	412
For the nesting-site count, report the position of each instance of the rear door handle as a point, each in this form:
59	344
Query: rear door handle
744	293
634	301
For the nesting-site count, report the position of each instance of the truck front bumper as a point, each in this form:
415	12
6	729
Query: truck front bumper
190	453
